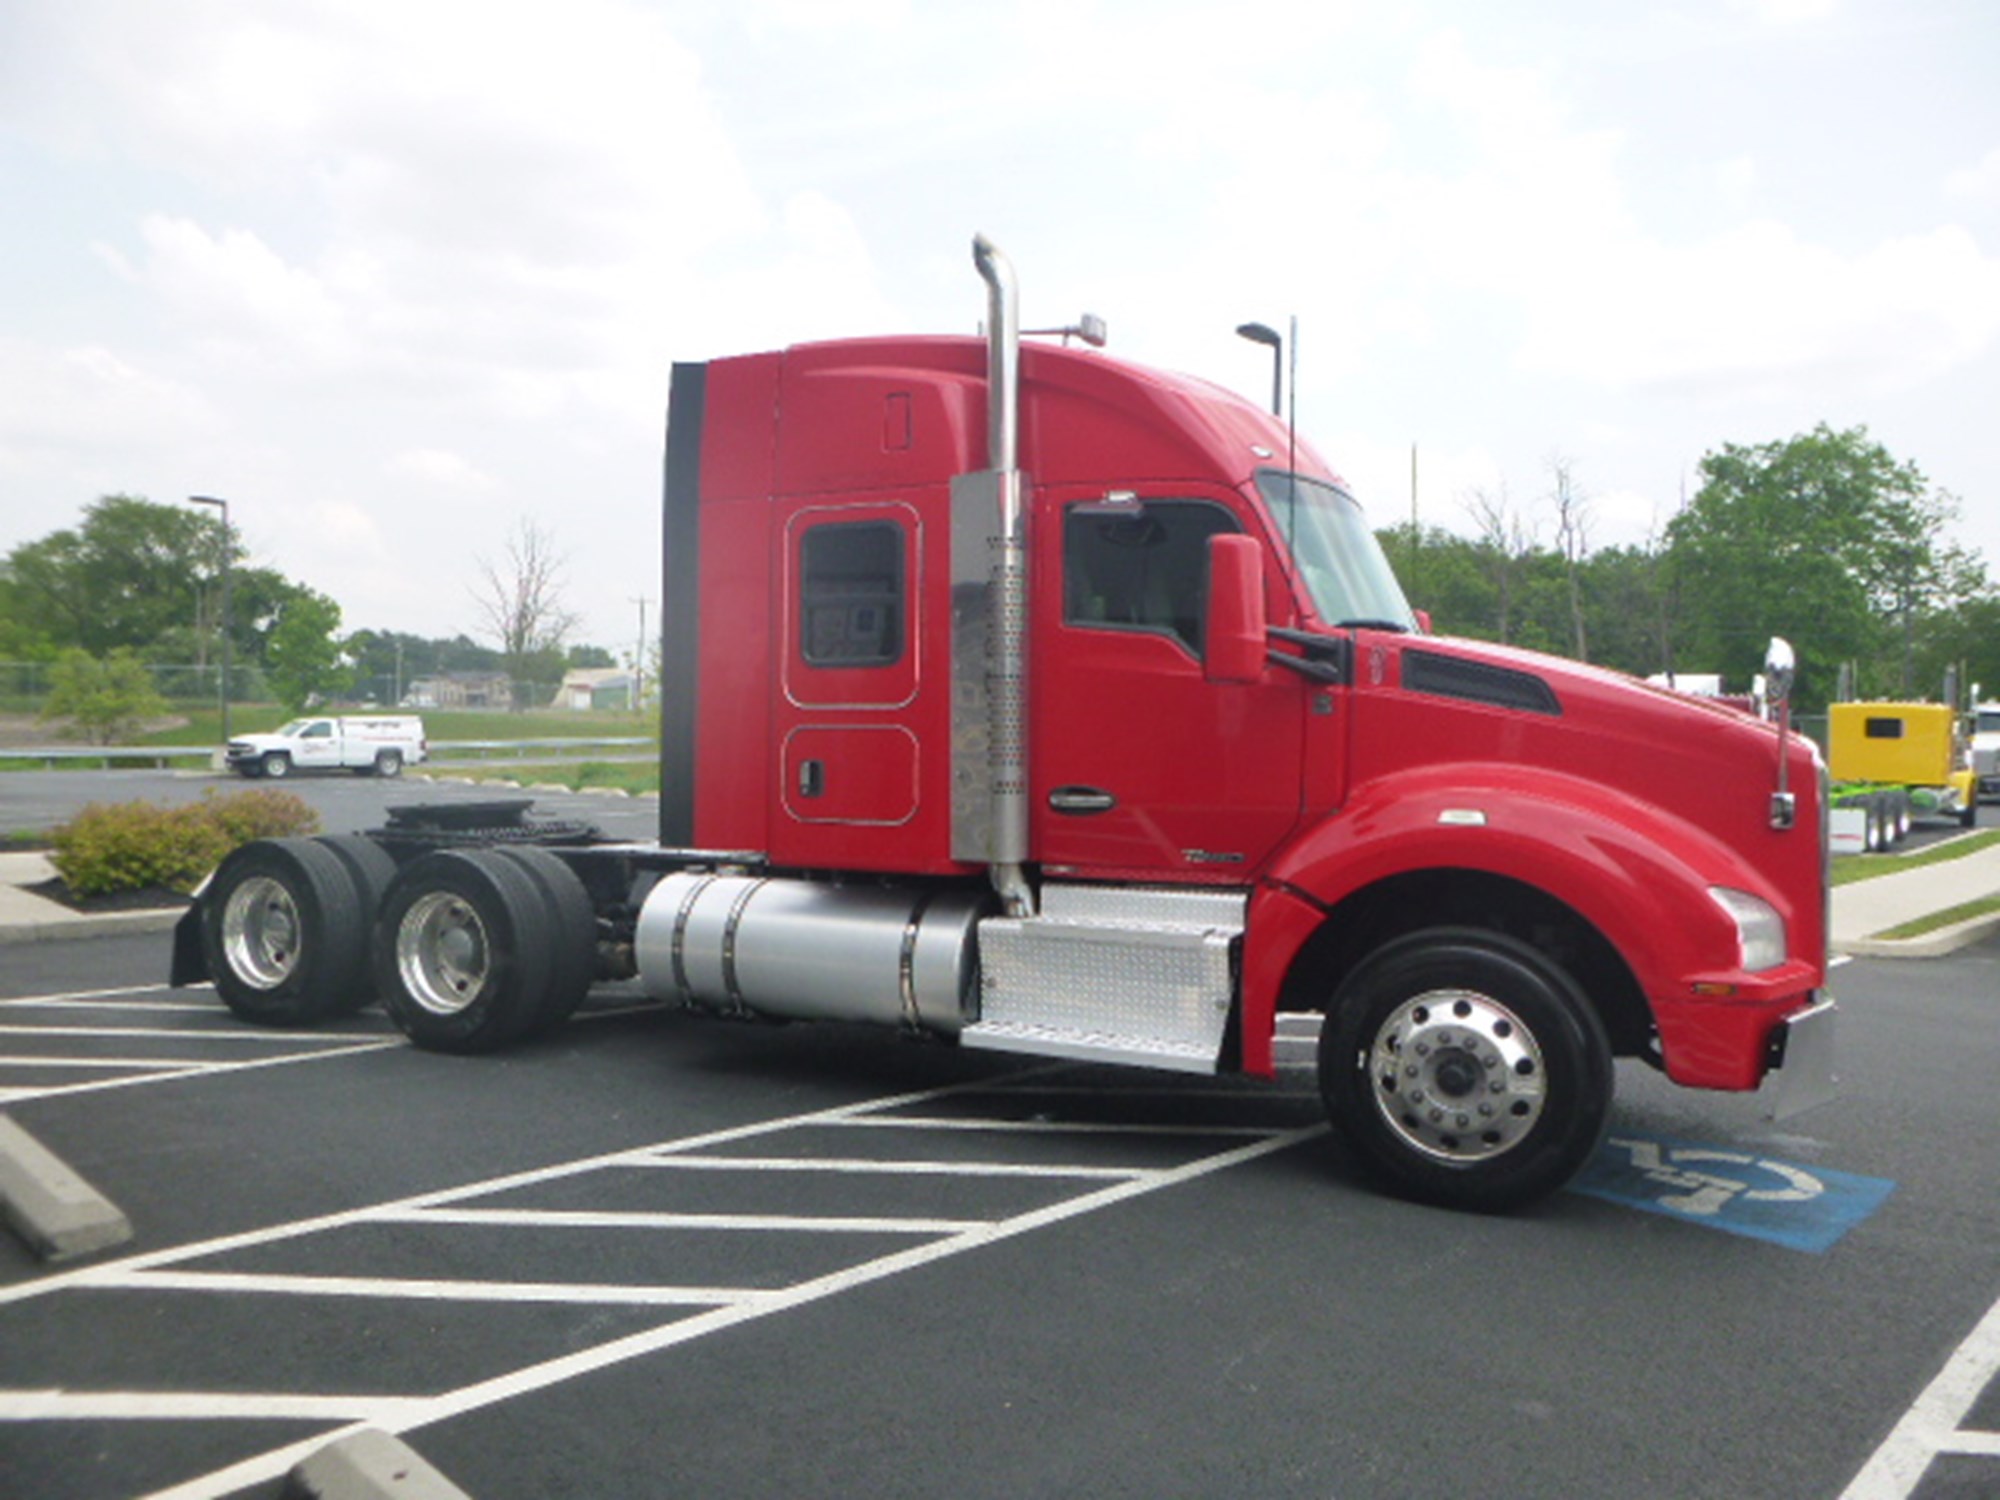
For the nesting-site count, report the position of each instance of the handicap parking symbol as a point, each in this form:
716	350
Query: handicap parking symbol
1736	1192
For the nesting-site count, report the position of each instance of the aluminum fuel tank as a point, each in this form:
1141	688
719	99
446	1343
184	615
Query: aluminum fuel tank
808	950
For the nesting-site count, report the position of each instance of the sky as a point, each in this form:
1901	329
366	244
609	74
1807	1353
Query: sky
399	278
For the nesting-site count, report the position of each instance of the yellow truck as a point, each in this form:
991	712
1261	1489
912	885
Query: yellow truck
1918	748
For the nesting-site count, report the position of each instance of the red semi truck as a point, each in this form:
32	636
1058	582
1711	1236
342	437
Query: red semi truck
1026	698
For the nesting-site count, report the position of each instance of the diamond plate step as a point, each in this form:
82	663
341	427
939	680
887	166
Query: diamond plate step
1111	974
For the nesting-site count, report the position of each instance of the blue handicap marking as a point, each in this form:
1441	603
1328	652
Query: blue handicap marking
1738	1192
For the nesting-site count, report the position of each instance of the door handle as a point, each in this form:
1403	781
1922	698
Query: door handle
1081	801
812	778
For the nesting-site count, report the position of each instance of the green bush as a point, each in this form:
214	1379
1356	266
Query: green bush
128	846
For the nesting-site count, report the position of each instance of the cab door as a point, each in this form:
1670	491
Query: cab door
318	745
853	708
1143	768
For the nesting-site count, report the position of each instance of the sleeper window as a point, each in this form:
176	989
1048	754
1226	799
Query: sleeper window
851	595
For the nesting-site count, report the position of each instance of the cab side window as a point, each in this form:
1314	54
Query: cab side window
851	595
1145	569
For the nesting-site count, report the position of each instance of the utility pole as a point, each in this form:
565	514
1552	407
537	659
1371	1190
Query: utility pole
222	691
639	658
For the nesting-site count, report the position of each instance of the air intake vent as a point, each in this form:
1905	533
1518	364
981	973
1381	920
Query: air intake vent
1478	682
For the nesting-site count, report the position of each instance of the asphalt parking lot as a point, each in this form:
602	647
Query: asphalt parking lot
660	1255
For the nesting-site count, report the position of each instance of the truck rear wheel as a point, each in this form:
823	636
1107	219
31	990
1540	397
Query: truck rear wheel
284	933
462	951
389	763
572	927
1466	1070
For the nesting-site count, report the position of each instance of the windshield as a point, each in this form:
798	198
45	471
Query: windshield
1989	721
1338	557
294	729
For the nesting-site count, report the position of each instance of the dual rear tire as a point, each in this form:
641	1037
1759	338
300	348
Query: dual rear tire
476	949
468	949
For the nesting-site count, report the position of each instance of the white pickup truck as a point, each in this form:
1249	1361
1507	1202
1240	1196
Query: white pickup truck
372	746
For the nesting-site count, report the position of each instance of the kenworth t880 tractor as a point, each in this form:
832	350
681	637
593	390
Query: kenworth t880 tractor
1024	698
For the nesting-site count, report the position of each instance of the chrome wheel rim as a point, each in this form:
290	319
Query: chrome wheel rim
1457	1076
442	953
260	932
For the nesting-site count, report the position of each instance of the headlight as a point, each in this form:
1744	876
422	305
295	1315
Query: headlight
1760	931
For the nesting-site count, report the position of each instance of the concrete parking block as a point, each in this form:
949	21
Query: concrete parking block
368	1465
54	1210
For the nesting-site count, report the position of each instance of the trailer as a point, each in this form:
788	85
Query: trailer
1026	699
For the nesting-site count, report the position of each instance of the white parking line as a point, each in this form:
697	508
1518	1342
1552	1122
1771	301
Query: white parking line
87	995
864	1164
1031	1127
195	1070
183	1033
1930	1428
170	1271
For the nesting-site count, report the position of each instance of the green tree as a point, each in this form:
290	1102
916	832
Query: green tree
108	699
130	572
303	658
1810	538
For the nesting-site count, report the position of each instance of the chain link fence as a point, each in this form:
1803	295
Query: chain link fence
25	685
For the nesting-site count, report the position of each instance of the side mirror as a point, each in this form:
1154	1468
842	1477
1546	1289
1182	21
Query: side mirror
1233	642
1780	670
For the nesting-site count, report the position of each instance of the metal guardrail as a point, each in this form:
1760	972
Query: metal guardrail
159	756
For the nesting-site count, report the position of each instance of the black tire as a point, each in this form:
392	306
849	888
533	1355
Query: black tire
250	770
572	925
276	765
389	763
1466	1070
372	871
284	934
462	951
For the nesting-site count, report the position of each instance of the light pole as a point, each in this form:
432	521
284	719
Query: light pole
1257	333
223	692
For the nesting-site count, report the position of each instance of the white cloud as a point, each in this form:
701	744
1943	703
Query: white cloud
1757	306
433	466
1977	184
1787	12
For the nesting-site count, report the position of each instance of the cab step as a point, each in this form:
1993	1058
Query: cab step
1139	976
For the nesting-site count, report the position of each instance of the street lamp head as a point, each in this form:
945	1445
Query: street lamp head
1257	333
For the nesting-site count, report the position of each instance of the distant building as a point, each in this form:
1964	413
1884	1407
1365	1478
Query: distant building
595	687
460	690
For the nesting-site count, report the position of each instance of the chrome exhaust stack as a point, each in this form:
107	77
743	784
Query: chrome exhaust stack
990	616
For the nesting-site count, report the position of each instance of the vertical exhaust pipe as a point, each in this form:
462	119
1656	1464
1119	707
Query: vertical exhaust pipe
1007	598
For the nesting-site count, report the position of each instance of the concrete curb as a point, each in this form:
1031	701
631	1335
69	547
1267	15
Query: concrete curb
88	925
48	1205
1936	944
368	1465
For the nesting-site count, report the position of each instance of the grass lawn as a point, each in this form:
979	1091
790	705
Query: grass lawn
1868	866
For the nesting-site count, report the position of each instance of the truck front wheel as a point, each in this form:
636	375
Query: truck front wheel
1466	1070
277	765
462	953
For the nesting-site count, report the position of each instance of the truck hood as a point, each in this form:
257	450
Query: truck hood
1439	701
